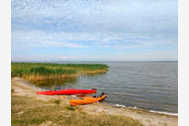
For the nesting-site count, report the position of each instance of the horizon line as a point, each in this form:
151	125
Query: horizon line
101	61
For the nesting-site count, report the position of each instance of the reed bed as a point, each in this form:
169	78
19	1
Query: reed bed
46	73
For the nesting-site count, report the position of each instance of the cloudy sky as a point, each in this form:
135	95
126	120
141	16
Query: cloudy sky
116	30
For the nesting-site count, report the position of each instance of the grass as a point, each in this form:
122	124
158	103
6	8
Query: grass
29	111
71	108
57	102
45	73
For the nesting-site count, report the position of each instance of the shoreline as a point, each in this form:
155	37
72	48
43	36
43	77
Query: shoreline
114	104
147	118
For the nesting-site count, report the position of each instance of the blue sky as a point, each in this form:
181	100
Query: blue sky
97	30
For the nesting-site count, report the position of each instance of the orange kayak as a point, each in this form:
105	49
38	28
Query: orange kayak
87	100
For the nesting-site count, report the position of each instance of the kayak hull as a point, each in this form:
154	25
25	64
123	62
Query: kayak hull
86	100
67	92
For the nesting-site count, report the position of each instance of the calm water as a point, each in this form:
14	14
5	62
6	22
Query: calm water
147	85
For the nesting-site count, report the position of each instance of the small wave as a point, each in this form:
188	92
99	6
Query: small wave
153	111
166	113
118	105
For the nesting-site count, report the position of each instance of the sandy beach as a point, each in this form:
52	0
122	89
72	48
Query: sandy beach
23	88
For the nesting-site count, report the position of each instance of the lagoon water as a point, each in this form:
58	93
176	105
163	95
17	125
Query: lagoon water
147	85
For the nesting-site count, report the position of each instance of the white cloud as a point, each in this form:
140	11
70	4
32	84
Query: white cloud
54	58
22	40
41	39
149	56
97	25
119	16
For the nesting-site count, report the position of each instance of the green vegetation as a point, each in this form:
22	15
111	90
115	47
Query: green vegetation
46	73
71	108
57	102
41	71
26	111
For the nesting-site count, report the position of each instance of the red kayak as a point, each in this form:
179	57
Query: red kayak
68	92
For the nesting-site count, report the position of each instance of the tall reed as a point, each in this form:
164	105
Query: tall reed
43	73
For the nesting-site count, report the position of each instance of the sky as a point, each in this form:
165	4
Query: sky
94	30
